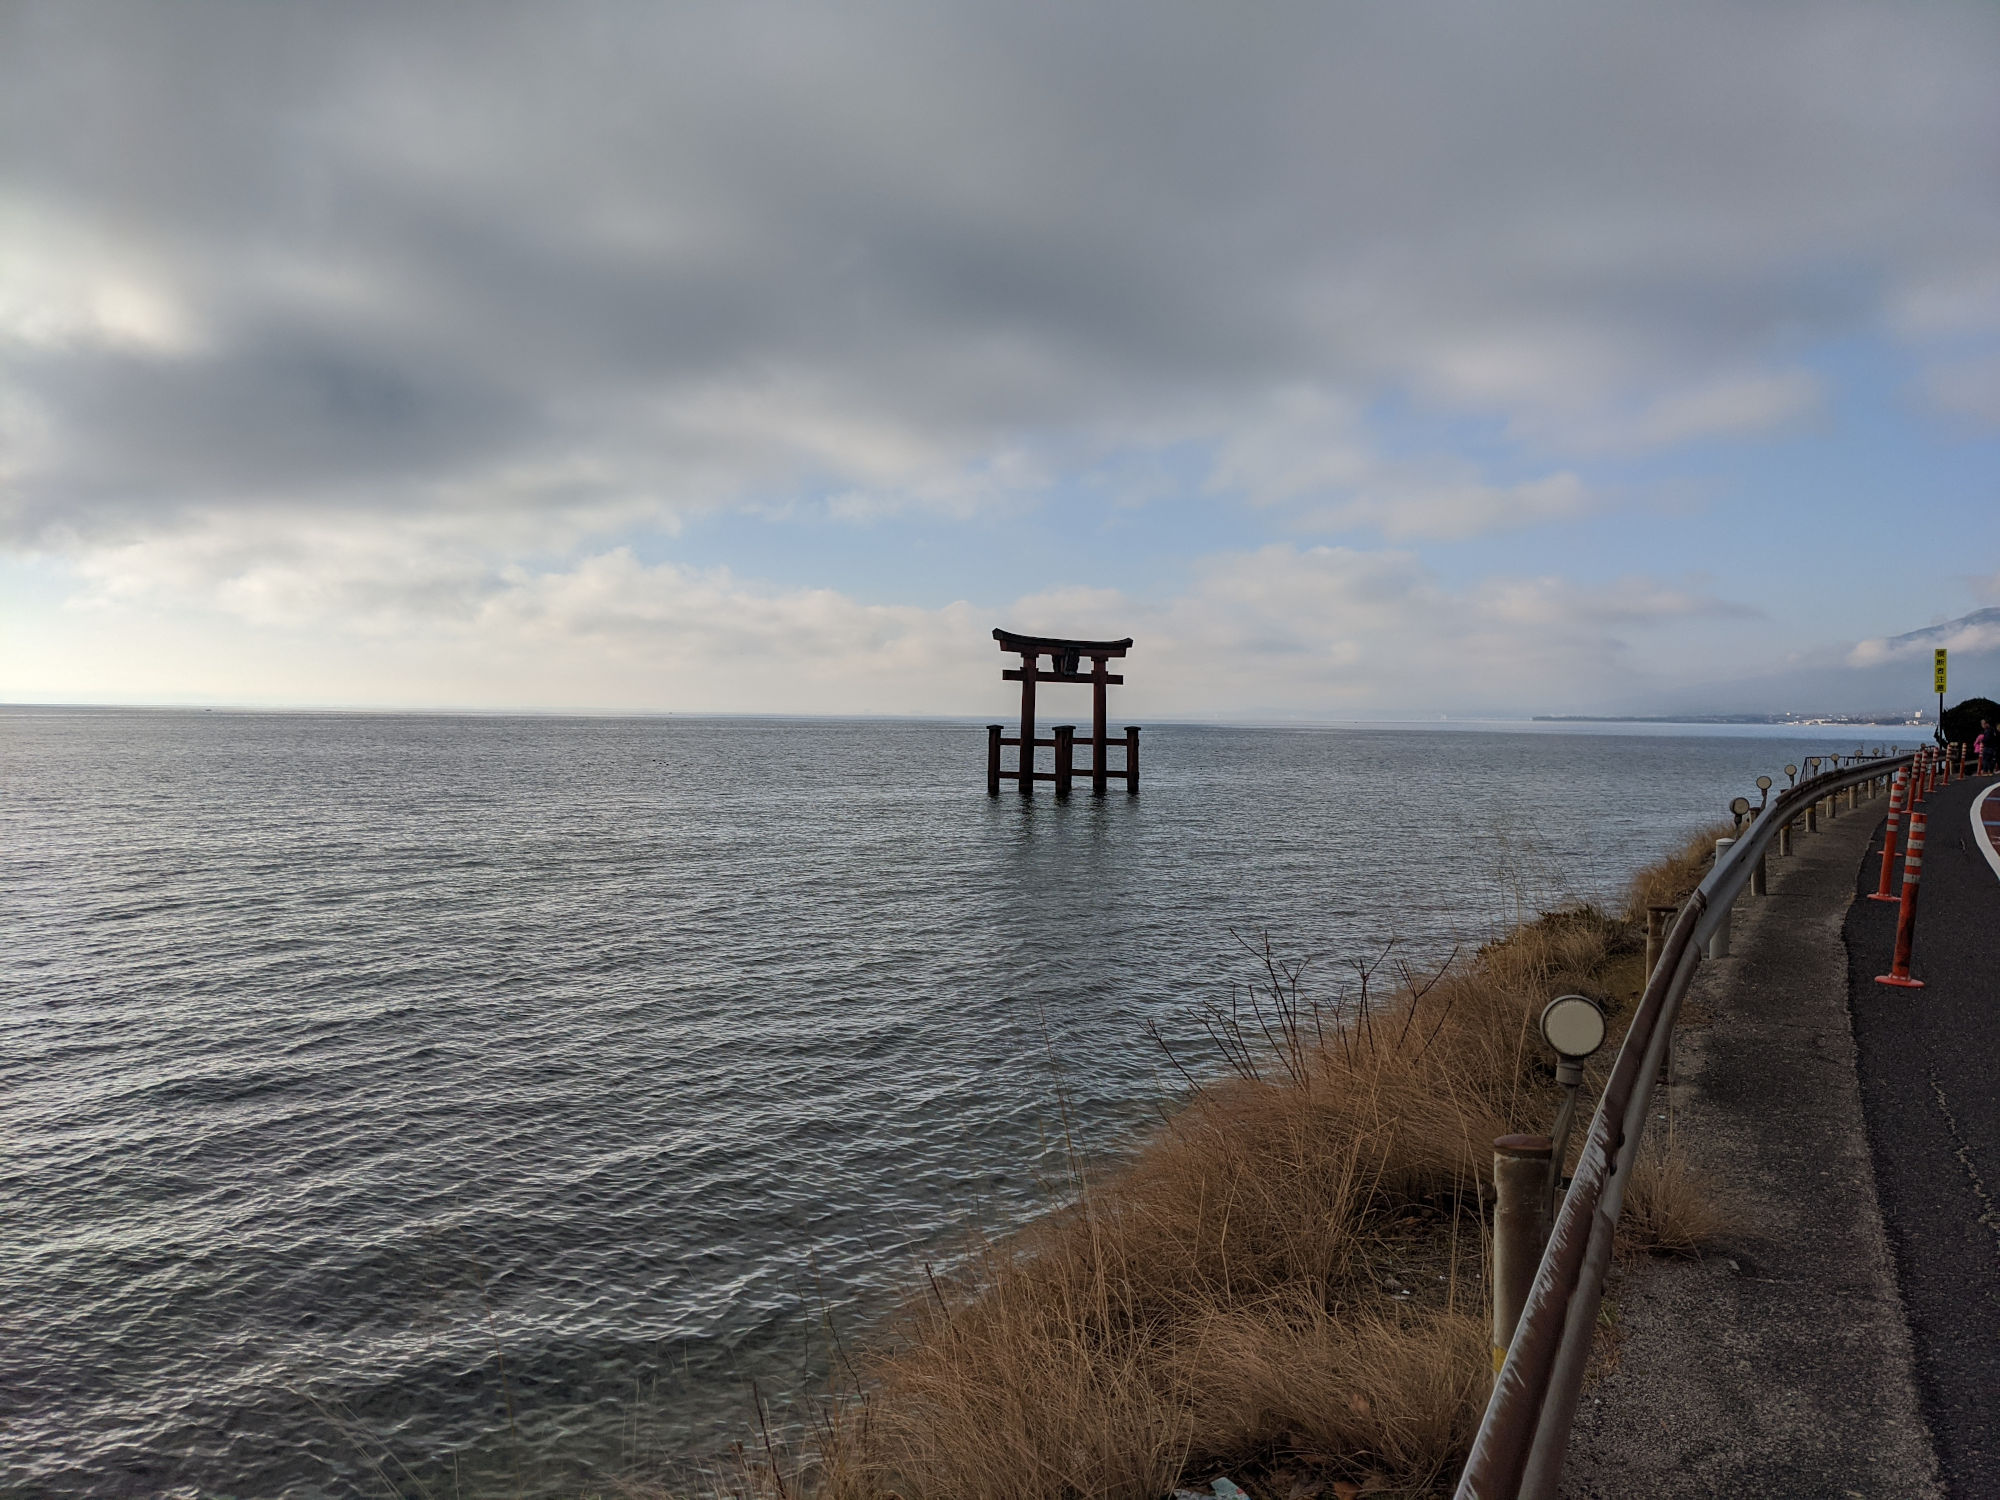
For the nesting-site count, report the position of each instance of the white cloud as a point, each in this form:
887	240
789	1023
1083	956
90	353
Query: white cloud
1343	627
1310	451
1733	405
1430	500
64	285
1316	631
320	617
1328	631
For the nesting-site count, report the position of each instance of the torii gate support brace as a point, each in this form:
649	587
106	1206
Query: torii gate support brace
1065	663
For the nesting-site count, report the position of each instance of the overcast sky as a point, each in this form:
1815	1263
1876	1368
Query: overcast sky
1358	359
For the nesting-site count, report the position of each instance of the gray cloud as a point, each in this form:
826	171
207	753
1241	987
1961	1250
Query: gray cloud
608	260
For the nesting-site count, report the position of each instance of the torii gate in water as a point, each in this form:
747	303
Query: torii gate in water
1065	659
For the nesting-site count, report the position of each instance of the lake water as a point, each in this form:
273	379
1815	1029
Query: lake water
459	1105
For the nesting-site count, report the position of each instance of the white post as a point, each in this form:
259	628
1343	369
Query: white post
1718	940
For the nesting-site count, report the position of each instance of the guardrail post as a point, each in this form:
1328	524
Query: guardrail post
1718	940
1658	919
1785	836
1521	1165
1760	880
1812	816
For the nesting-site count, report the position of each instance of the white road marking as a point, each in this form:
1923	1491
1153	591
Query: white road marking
1979	827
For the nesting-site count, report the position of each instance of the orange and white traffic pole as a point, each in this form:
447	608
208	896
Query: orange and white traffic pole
1906	916
1897	789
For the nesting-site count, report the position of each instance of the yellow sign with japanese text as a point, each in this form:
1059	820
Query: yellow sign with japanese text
1938	671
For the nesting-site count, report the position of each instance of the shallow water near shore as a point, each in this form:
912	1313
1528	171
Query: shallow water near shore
463	1105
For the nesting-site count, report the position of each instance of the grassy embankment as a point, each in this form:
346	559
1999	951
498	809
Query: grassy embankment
1284	1284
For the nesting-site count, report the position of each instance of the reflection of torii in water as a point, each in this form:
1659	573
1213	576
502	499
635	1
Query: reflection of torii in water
1065	657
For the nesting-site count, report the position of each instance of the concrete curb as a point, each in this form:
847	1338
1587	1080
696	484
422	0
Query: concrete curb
1780	1364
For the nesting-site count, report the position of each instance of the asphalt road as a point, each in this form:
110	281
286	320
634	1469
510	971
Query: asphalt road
1929	1063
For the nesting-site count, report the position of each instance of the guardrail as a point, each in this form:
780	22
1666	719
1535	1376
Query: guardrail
1518	1452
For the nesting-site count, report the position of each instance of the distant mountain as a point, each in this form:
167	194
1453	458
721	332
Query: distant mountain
1973	633
1889	674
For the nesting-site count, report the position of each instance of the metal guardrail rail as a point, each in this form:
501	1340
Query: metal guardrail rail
1518	1452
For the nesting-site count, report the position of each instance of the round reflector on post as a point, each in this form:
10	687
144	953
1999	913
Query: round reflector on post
1573	1025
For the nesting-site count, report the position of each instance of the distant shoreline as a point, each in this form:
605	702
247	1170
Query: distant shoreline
1247	720
1859	721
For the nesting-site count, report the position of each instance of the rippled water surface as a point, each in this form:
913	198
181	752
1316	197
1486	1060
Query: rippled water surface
475	1105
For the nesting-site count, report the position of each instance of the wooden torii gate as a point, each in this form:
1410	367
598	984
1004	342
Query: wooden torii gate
1065	657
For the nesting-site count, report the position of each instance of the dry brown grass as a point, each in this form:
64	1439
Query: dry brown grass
1670	881
1282	1285
1670	1208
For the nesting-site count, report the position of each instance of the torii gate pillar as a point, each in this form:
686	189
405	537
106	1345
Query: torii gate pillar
1065	660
